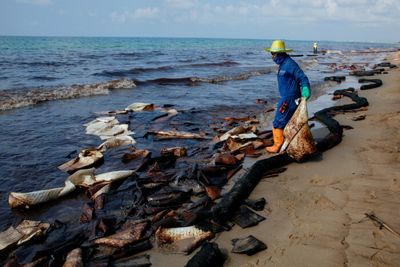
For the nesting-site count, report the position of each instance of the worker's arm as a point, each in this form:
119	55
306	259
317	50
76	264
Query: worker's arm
306	92
302	79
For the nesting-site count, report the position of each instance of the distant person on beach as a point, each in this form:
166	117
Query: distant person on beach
292	84
315	48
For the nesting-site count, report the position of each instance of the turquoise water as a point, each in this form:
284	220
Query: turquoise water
48	62
35	138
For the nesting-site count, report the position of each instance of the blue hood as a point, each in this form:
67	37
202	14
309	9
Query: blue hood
279	59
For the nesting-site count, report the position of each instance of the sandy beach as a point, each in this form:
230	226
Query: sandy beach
316	210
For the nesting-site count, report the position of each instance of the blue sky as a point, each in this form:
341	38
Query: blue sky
338	20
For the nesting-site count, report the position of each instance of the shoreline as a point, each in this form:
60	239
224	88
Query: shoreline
290	192
315	212
47	85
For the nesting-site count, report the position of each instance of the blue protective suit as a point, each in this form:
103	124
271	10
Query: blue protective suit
290	81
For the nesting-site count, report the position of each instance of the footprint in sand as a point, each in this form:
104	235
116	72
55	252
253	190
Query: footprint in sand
316	181
324	202
395	186
301	238
378	259
372	194
294	239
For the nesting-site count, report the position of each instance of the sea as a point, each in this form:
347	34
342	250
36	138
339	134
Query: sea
51	86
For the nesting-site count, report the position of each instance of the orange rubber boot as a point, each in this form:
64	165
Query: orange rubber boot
278	141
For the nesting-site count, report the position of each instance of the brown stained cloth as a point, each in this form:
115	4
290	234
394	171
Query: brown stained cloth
130	232
83	178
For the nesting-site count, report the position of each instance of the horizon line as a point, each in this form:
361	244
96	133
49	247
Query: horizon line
192	37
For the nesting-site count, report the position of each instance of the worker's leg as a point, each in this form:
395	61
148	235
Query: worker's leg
278	140
284	111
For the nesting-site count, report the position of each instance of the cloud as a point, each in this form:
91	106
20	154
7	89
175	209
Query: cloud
35	2
147	12
182	4
373	11
119	17
331	6
136	14
254	13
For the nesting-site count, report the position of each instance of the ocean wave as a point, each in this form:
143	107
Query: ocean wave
139	70
354	52
309	63
92	56
219	79
131	55
113	73
226	63
189	60
334	52
142	70
10	99
374	51
42	63
44	78
127	73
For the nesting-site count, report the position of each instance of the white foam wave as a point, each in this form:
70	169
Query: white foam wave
22	98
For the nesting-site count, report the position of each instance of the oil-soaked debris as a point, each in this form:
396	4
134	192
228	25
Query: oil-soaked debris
347	127
209	255
174	185
74	258
165	188
359	117
248	245
176	135
182	239
24	232
174	151
140	107
130	232
85	159
373	83
81	178
107	127
134	261
245	217
116	141
256	204
273	172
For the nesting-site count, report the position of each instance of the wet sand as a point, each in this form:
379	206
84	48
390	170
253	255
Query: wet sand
316	210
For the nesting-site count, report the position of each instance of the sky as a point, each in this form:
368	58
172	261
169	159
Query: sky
334	20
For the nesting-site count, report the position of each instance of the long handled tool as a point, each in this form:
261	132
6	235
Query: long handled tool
382	224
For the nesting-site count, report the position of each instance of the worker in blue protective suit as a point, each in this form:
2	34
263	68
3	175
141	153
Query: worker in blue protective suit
292	84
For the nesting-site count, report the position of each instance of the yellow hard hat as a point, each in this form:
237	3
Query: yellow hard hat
278	46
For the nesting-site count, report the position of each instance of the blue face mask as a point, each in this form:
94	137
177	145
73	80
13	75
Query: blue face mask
279	59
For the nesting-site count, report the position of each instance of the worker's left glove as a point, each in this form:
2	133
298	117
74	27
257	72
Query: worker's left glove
305	92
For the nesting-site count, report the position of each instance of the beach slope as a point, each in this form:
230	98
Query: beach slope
316	212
